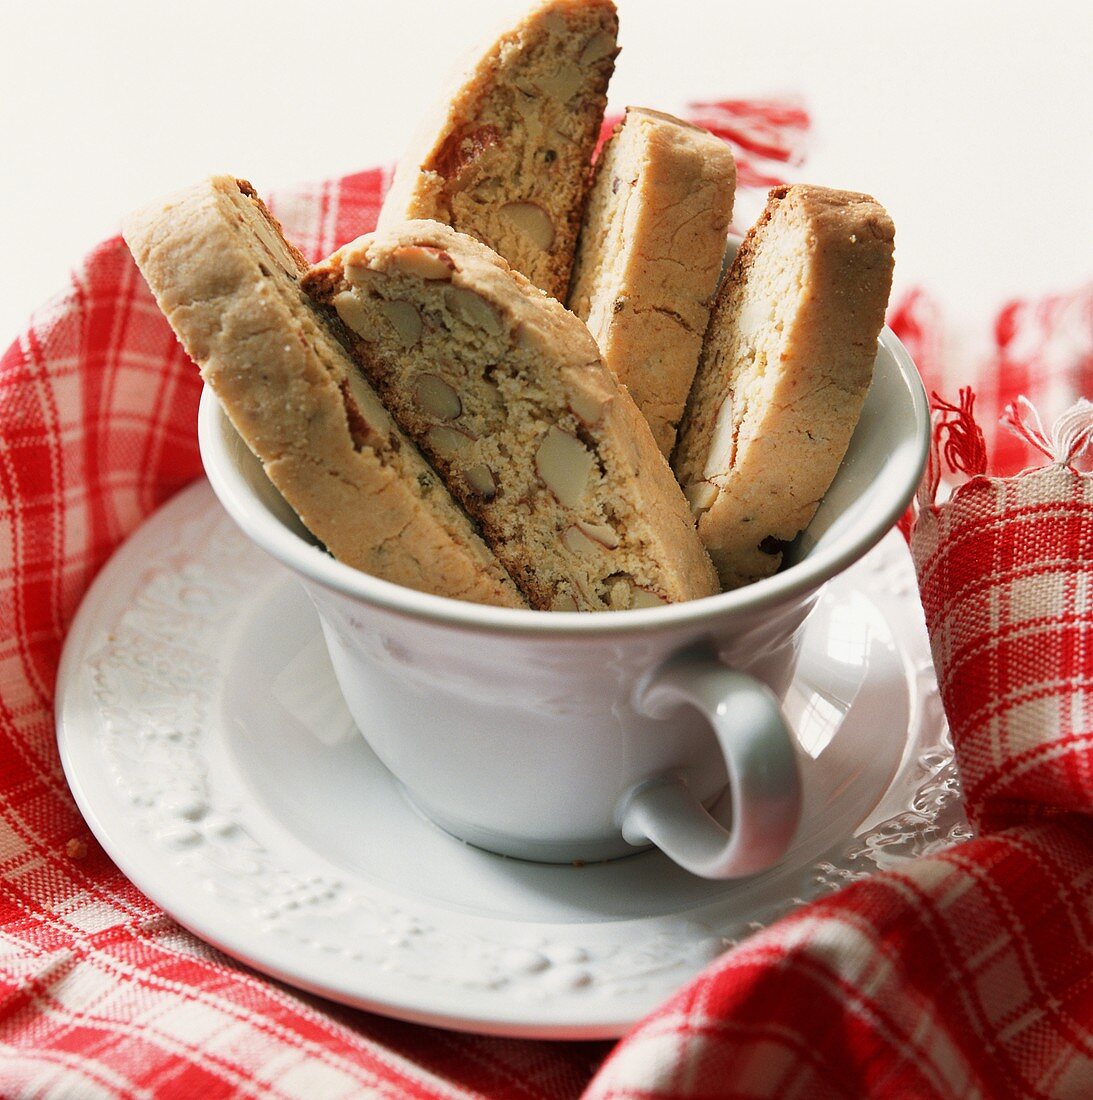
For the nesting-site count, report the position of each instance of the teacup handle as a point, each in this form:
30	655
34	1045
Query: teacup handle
761	763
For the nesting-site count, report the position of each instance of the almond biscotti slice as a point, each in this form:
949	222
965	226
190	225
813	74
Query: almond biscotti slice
649	257
786	364
503	389
228	283
507	160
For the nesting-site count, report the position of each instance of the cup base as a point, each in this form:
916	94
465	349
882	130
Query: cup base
580	851
594	850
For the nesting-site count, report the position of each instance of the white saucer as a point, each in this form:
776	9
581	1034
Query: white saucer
206	744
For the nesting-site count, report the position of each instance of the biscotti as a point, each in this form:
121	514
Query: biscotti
504	391
506	158
785	367
228	282
649	257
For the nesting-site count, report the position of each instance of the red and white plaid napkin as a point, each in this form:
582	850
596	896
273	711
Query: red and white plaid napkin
968	973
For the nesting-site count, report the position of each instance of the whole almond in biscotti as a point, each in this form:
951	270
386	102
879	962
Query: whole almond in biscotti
503	389
506	158
229	284
786	364
649	257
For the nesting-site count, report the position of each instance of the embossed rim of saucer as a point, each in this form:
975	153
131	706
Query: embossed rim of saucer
132	782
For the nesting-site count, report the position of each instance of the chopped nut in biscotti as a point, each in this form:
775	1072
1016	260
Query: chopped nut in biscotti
564	463
590	538
480	478
426	263
473	310
436	398
561	82
577	541
603	533
404	319
352	313
642	597
446	442
532	220
599	46
700	495
722	446
362	404
588	408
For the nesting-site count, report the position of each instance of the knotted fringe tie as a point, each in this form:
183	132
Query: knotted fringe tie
957	440
1071	434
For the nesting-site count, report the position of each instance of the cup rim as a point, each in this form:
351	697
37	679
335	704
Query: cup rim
315	565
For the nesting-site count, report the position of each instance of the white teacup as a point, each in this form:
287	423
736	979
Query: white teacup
559	736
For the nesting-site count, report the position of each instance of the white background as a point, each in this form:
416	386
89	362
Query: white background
969	119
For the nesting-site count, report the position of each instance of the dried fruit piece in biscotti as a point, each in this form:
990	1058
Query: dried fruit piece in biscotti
229	284
649	257
504	391
507	160
786	364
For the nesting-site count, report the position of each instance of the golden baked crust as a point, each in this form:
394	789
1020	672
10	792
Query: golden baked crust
503	389
785	367
507	160
649	257
228	283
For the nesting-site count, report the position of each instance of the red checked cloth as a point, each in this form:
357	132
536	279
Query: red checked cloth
966	974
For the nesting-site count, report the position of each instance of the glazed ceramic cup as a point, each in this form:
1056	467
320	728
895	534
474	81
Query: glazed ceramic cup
564	737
